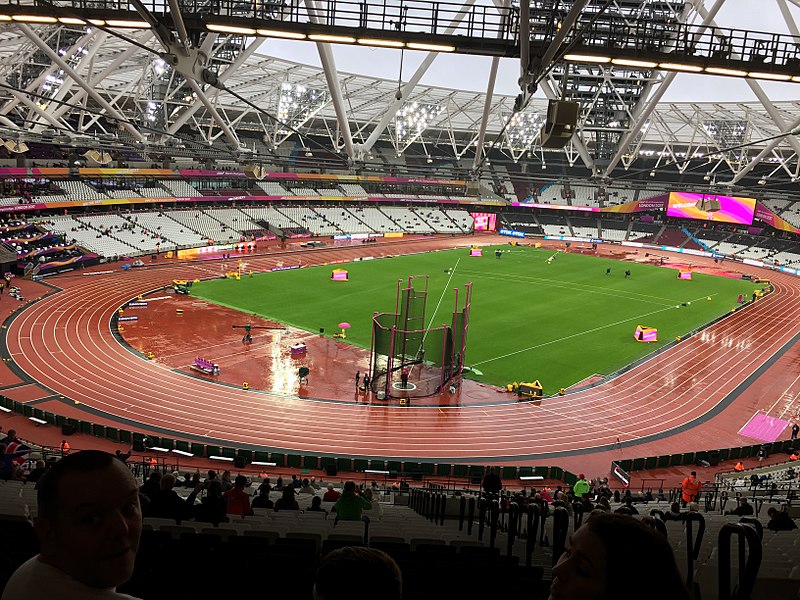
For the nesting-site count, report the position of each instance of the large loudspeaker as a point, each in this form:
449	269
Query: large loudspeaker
67	429
239	462
331	471
562	118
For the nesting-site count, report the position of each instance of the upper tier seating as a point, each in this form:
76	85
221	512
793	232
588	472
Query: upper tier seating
179	188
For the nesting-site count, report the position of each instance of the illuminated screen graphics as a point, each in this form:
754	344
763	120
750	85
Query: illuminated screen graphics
711	207
485	221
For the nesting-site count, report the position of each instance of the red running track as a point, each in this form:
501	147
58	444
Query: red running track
64	342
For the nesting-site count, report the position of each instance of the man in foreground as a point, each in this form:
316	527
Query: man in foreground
88	525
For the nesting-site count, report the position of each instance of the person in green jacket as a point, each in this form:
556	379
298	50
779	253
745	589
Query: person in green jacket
350	504
581	487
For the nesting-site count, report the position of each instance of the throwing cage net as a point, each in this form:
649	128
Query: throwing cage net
410	359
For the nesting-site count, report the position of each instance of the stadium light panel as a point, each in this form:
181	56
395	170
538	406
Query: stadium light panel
223	458
770	76
230	29
71	21
332	39
263	464
182	452
727	72
642	64
679	67
34	19
431	47
381	43
587	58
128	24
286	35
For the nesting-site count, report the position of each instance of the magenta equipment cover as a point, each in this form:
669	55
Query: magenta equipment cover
711	207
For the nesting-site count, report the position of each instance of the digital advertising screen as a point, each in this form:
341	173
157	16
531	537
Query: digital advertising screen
711	207
485	221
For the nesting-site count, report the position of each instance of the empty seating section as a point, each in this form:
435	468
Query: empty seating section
330	191
270	215
233	218
205	225
550	194
792	214
273	188
304	191
344	220
728	248
175	233
442	222
408	219
136	236
354	190
641	230
78	191
376	220
86	236
179	188
587	232
583	195
305	218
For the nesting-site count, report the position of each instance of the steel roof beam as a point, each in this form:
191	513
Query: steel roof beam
68	70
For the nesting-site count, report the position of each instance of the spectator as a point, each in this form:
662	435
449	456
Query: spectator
212	508
296	483
306	488
262	500
88	526
376	512
316	505
331	495
492	484
166	504
151	487
350	505
238	500
606	550
287	501
779	520
745	509
343	570
123	457
227	484
739	467
37	472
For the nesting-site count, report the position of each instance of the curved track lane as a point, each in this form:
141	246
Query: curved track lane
65	343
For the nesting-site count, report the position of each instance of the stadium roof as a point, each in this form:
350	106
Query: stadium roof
69	82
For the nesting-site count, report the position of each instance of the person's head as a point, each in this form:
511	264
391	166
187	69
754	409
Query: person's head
40	464
305	482
675	507
11	436
167	482
771	512
240	482
341	570
742	500
607	549
330	487
350	486
693	473
89	519
288	494
316	502
213	489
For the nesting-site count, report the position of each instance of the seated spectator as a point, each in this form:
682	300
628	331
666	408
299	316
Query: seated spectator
238	499
262	500
306	488
316	505
331	495
606	550
345	569
166	504
227	484
88	526
314	484
287	501
779	520
350	504
151	487
212	508
37	472
739	467
376	512
674	513
745	509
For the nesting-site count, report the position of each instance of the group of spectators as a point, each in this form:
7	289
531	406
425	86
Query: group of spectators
218	498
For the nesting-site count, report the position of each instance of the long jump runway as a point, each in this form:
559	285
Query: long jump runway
64	342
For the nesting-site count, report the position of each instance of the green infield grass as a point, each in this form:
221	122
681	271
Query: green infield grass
558	321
